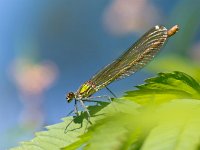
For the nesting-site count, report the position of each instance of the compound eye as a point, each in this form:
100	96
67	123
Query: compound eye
70	96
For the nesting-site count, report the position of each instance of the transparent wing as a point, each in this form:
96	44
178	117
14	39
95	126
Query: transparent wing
135	58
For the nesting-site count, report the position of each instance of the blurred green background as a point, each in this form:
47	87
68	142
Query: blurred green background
48	48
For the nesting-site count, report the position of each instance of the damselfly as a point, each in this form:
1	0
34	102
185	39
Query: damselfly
135	58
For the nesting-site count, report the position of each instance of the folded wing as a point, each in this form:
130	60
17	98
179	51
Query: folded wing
135	58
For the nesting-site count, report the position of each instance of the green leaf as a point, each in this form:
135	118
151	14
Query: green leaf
172	125
134	121
55	138
109	124
177	128
173	62
165	87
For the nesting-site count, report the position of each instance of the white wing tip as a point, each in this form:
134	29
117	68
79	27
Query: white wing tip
160	27
157	27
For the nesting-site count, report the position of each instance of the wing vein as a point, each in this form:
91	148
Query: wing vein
136	57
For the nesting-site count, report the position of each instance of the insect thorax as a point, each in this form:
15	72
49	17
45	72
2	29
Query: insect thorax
86	90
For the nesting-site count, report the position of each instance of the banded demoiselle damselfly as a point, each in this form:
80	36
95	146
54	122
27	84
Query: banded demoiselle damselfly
132	60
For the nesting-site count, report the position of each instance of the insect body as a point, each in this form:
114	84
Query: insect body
132	60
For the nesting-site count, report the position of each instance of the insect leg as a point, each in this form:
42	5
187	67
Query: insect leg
110	100
85	109
76	108
90	99
111	92
93	99
70	112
